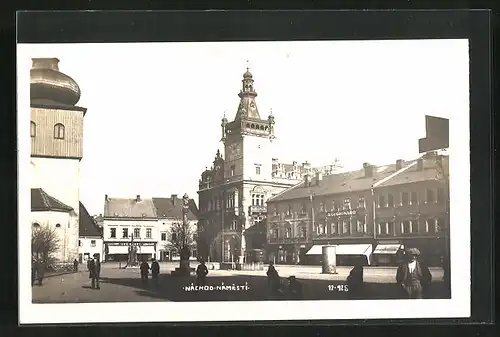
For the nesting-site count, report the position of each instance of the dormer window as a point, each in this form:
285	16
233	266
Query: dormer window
59	131
32	129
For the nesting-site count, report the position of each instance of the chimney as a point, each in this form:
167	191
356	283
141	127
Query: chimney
368	170
319	177
138	198
420	164
174	199
106	197
399	164
306	180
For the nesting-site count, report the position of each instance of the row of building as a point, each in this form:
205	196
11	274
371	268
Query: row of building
249	201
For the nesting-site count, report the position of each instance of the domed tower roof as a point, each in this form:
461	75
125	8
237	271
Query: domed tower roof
247	74
48	84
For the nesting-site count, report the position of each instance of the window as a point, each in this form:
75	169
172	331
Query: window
137	232
440	225
112	232
390	200
257	199
347	203
59	131
276	211
288	232
334	228
303	209
430	196
232	170
125	233
257	170
92	243
79	243
345	227
234	224
440	195
289	210
163	236
414	198
406	227
390	228
32	129
430	225
361	202
334	205
385	228
303	232
58	225
274	233
322	206
360	227
217	203
381	201
148	233
405	198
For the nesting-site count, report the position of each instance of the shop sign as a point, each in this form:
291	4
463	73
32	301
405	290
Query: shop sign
341	213
135	243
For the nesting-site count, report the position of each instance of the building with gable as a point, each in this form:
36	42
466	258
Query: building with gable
130	222
90	241
233	192
56	131
170	211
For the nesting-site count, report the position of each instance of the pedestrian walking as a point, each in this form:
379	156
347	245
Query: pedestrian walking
412	276
144	272
155	271
355	281
201	273
97	272
33	271
274	280
40	271
75	265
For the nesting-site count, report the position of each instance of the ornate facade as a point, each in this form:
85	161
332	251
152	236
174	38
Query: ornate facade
234	191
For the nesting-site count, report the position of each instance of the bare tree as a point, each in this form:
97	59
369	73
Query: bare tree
44	243
180	236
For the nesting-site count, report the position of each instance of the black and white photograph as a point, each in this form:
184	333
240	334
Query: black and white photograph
207	181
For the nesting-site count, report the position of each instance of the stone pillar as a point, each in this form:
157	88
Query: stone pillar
329	259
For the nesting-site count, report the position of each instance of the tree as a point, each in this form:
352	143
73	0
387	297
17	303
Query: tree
44	243
180	236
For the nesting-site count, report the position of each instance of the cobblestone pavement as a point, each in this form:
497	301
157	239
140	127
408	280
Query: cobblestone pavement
124	285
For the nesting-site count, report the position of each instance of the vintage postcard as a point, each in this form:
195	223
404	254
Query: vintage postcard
236	181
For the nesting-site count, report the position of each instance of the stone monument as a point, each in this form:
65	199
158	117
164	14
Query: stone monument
184	268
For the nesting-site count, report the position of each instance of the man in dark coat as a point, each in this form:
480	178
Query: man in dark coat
33	271
355	281
75	265
273	279
94	266
201	273
412	276
40	271
155	270
144	272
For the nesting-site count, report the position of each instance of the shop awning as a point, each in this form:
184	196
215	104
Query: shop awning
351	249
387	249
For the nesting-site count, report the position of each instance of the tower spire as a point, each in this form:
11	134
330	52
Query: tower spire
248	106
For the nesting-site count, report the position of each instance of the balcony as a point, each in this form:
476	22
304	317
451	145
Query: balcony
257	209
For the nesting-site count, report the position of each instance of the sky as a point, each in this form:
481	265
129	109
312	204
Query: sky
155	109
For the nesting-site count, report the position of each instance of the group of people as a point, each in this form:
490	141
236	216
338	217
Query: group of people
412	277
145	268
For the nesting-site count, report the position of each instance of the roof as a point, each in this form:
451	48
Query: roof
260	228
431	171
41	201
336	184
88	227
129	208
172	208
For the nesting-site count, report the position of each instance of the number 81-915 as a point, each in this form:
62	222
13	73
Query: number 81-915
338	287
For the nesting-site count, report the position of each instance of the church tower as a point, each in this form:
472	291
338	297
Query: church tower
56	131
247	138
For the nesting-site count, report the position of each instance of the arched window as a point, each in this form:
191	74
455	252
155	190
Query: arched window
58	226
32	129
36	225
59	131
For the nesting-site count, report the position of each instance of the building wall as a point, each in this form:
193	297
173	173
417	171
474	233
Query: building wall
87	250
163	227
66	252
130	224
257	154
44	144
60	178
